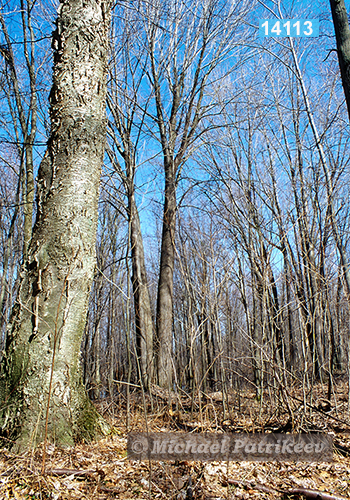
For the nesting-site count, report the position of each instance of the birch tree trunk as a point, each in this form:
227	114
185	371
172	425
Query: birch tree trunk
41	390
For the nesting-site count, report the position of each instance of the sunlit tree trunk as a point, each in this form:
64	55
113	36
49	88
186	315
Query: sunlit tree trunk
342	34
41	387
126	124
165	286
142	302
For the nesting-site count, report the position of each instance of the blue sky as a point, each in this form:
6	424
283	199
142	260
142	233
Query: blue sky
150	177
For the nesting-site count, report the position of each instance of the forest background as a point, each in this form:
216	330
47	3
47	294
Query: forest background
223	228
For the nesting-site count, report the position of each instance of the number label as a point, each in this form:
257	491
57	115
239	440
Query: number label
289	27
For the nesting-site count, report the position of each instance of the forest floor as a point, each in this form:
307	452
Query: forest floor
102	471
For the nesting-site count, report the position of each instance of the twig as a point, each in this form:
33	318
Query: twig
319	410
105	489
71	472
252	485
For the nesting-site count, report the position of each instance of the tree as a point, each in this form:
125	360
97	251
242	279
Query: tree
126	120
342	35
27	120
186	43
19	117
42	394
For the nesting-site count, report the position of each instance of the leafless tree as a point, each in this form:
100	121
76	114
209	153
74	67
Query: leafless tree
19	122
186	44
128	109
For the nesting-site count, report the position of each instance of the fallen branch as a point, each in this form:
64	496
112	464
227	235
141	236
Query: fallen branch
164	394
306	493
253	486
105	489
319	410
70	472
318	495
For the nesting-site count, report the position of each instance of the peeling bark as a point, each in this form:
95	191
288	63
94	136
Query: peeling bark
41	390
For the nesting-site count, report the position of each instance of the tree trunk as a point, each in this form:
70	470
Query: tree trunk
28	196
41	388
342	34
142	303
328	174
164	349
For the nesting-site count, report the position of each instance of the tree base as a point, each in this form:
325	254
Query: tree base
28	427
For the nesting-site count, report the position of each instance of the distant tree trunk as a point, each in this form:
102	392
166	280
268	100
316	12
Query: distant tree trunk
142	303
27	120
164	349
97	362
41	386
182	56
124	106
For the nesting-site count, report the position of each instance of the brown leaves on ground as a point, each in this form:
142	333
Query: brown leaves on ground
101	471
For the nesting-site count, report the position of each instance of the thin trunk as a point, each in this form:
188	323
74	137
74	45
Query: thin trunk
97	361
28	197
8	248
27	123
255	341
29	48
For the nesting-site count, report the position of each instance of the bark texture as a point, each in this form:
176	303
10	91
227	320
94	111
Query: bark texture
41	388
